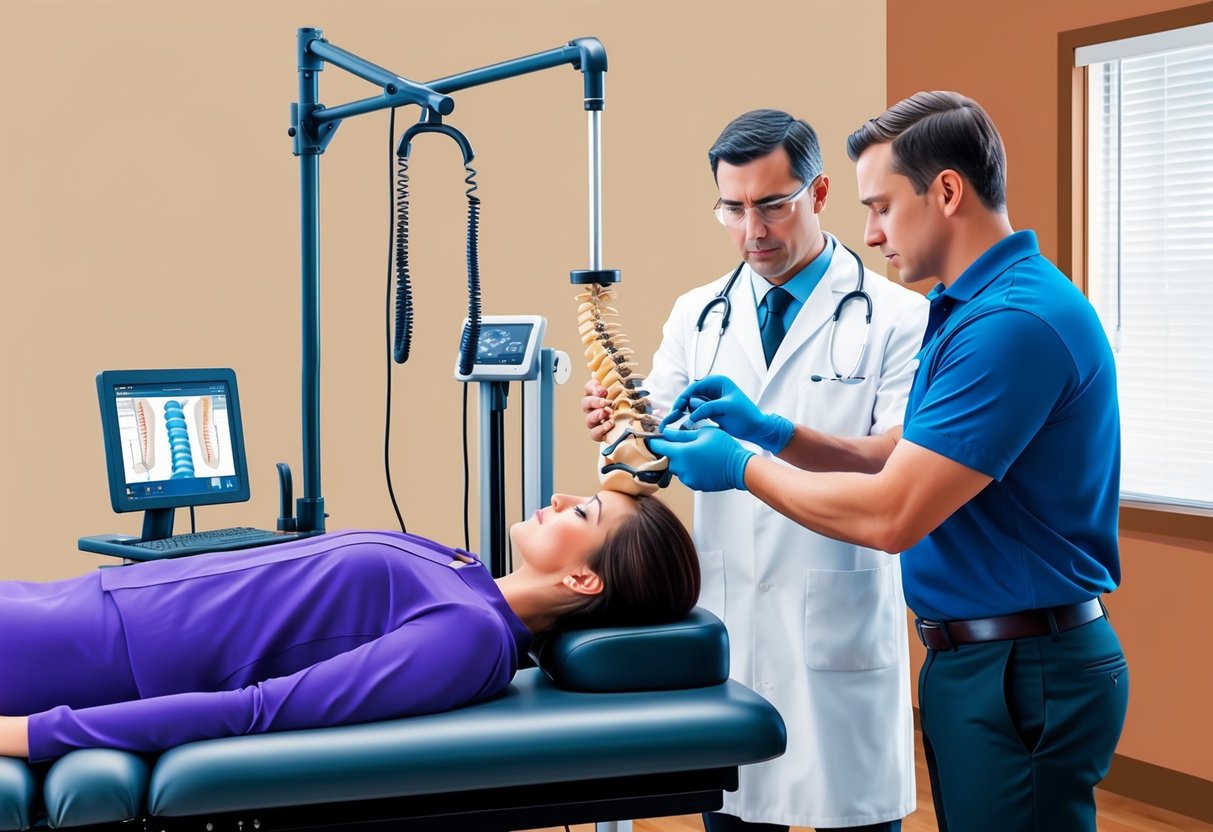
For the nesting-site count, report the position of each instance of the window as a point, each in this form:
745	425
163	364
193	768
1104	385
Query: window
1149	253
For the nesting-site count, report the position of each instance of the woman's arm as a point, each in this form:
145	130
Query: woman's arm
14	736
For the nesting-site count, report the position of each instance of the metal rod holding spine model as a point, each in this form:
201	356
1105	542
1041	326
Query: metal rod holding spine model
595	189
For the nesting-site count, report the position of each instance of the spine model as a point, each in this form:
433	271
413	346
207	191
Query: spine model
627	463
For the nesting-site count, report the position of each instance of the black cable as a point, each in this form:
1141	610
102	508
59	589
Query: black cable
522	448
470	340
400	347
467	539
193	528
404	284
387	417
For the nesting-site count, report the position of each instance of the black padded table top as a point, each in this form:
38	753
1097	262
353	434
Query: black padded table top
533	733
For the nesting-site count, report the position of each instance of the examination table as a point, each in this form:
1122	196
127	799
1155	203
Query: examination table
612	724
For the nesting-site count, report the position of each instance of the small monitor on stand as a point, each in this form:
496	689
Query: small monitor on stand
508	348
173	439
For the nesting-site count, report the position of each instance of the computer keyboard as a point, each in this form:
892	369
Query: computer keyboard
214	540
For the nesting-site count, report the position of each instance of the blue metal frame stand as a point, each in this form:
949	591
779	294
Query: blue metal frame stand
312	128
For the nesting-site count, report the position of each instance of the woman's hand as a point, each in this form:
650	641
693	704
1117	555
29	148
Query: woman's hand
14	736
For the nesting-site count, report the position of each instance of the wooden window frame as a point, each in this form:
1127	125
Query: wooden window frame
1072	206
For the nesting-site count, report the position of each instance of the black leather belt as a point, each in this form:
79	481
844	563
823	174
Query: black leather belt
948	635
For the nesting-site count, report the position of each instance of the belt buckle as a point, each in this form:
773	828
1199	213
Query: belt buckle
941	626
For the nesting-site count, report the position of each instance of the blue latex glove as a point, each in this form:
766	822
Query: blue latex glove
718	398
707	459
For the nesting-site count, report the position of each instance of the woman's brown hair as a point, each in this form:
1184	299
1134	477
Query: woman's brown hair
649	570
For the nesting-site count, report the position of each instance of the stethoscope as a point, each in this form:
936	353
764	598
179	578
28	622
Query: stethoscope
721	299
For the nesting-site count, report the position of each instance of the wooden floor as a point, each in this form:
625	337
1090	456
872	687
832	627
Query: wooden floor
1116	814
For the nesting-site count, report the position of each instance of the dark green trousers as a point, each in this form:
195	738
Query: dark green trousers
1017	733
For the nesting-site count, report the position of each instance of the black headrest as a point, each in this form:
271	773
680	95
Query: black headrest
692	653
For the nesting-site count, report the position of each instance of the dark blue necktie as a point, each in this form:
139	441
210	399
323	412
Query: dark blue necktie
774	328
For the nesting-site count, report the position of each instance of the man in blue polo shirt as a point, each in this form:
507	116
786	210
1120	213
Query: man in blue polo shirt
1002	492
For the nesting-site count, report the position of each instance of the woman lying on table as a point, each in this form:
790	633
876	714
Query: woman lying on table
342	628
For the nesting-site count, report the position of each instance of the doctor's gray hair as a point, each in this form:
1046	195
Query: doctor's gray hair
937	131
757	133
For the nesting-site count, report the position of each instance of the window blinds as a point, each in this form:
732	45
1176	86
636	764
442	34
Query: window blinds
1150	257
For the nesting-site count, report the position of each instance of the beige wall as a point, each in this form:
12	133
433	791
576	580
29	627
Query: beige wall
149	218
1005	56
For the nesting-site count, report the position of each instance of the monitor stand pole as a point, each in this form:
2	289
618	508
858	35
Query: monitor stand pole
157	524
493	397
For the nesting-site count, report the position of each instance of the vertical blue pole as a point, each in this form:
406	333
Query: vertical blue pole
310	507
547	430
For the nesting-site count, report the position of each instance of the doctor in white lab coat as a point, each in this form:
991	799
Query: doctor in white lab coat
816	626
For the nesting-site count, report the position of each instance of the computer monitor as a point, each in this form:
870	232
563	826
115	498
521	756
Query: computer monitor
173	438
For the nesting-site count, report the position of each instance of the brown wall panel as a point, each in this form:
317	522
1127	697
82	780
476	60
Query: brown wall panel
1005	55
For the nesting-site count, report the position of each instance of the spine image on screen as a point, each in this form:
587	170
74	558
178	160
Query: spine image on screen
145	418
173	437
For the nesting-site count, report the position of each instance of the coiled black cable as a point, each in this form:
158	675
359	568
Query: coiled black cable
402	343
387	418
404	285
470	341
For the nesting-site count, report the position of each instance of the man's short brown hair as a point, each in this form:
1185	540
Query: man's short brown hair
936	131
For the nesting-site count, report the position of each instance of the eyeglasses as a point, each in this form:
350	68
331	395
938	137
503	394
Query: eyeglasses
771	212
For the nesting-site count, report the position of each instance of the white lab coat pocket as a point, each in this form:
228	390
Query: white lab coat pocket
711	588
850	619
834	407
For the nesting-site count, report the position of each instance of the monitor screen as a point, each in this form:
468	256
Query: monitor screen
172	438
503	344
508	348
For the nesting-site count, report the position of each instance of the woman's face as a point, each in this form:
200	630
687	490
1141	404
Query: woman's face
562	536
